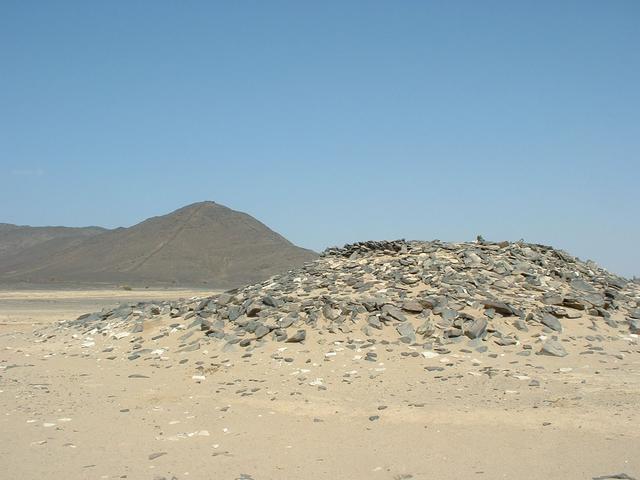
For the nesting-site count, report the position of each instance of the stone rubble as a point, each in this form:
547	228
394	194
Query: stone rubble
426	294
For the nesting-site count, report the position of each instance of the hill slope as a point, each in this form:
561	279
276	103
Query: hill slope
16	238
24	244
200	243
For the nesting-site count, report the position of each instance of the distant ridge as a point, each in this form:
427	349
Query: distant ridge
20	245
201	244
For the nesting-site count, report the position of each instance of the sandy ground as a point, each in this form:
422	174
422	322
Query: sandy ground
78	409
25	309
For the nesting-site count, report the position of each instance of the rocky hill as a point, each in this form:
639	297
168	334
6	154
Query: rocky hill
201	244
431	297
21	245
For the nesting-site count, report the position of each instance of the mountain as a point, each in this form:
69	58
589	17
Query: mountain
203	243
21	244
16	238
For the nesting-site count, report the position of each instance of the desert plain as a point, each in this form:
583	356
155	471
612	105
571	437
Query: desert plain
84	405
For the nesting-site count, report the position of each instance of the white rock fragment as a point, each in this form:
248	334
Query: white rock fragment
429	354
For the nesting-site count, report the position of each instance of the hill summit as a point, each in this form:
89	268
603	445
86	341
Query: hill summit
201	243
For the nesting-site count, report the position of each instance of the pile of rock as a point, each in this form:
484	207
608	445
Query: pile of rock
353	250
417	293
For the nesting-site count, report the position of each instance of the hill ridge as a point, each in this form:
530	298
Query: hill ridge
172	237
202	243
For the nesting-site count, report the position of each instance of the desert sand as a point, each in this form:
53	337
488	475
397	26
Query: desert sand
24	309
313	410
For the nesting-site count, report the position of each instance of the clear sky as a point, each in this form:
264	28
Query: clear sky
330	121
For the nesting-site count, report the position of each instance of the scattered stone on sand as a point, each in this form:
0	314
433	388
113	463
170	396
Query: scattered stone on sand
153	456
554	348
432	295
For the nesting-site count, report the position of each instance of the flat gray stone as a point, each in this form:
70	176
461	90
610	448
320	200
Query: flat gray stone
552	322
261	331
394	312
412	306
269	301
406	331
374	321
553	348
297	337
476	328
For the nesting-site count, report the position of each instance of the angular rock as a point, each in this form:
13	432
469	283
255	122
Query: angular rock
374	321
552	322
476	328
553	348
269	301
412	306
254	309
552	299
233	313
297	337
287	321
505	341
261	331
223	299
406	331
394	312
427	328
500	307
331	313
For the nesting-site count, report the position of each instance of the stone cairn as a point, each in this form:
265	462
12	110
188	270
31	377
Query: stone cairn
428	294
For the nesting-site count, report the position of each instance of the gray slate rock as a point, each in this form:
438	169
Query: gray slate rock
374	321
553	348
412	306
476	328
297	337
261	331
406	331
394	312
552	322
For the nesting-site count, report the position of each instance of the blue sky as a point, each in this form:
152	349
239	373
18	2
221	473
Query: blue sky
330	121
